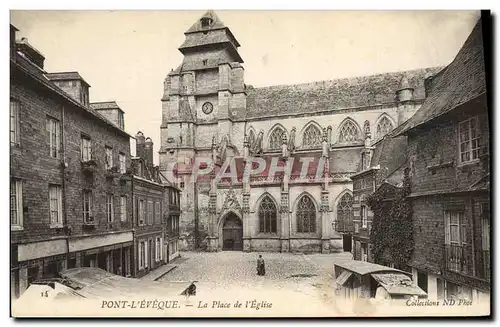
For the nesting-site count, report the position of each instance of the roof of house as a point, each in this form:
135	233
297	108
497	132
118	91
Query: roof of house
66	76
461	81
343	93
105	105
27	67
390	155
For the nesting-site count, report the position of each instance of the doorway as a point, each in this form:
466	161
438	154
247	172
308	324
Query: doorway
232	234
347	242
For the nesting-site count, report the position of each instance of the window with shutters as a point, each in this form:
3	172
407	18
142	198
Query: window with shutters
141	212
157	213
123	208
457	258
158	249
109	157
123	165
306	215
349	132
383	127
267	216
363	214
469	139
150	213
16	204
86	148
109	207
14	122
53	134
142	255
311	137
275	139
87	207
55	205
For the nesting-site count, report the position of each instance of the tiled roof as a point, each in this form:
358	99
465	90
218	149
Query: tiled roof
105	105
460	82
334	94
64	76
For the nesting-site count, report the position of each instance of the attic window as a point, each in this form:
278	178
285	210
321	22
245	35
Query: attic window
205	22
205	61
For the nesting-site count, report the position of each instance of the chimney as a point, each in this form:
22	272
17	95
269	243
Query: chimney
148	154
30	52
13	31
140	147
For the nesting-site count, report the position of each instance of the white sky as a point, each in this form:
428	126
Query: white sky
125	55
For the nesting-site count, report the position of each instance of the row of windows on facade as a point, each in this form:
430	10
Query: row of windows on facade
147	216
312	135
469	135
53	132
145	252
306	214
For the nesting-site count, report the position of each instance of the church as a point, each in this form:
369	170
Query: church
209	111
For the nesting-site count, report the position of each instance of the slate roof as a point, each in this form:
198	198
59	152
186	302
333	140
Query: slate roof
25	66
105	105
390	155
461	81
334	94
66	76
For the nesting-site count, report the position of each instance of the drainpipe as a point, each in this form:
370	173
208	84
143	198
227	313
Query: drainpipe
63	187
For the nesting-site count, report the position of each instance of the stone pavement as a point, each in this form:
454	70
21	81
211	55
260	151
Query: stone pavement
299	276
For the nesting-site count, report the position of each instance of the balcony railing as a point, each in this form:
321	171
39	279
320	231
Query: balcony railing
458	259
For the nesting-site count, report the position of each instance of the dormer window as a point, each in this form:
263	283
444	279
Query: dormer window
205	22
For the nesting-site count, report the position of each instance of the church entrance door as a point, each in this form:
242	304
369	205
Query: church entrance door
232	233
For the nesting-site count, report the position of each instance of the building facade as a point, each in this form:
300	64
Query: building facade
155	214
448	148
69	207
209	111
381	168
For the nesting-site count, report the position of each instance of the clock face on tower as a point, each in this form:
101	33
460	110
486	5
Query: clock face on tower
207	108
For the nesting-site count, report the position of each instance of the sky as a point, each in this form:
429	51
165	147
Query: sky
126	55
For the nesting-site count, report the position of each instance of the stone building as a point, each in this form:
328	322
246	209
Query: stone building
381	168
154	244
448	151
68	205
209	111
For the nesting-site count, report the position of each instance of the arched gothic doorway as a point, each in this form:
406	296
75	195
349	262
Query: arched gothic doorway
232	233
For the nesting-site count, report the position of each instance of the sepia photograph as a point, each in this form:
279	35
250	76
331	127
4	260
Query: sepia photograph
250	163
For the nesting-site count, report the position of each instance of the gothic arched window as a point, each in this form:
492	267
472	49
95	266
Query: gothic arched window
275	139
311	136
384	127
349	132
306	215
251	137
344	213
267	216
